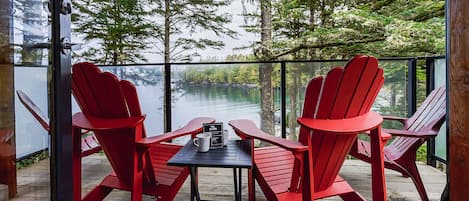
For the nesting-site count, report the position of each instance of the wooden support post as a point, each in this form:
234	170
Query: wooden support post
458	35
7	99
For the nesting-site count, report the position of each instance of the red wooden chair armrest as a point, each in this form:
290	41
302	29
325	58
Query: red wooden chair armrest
406	133
192	127
354	125
395	118
248	129
79	120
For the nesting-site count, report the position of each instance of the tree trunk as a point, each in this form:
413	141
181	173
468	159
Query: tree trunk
293	94
393	100
267	113
312	24
114	57
167	24
265	70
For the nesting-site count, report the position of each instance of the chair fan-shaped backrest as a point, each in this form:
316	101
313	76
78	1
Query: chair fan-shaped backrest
429	116
102	94
344	93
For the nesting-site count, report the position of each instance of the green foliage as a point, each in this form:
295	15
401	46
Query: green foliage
422	153
343	28
246	74
32	159
119	27
124	29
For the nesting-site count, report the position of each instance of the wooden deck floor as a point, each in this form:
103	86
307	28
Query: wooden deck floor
217	184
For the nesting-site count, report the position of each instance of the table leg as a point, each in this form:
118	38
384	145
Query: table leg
239	185
235	183
377	165
194	185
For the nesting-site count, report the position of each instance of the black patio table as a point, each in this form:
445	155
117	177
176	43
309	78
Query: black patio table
236	154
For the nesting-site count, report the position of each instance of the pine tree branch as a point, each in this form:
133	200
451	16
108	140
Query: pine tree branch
327	44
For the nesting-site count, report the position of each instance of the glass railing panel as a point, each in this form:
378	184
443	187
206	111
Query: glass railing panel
298	74
392	99
222	91
440	80
31	137
149	81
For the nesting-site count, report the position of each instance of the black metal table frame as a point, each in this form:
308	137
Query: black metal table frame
180	159
237	181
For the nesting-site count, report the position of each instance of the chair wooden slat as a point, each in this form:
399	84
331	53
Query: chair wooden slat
33	109
400	154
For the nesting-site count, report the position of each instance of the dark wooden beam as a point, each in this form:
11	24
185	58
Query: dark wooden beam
7	112
7	95
458	47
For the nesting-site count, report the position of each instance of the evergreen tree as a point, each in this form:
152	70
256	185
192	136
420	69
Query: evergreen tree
177	18
343	28
324	29
120	28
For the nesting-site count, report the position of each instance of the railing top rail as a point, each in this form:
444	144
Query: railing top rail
253	62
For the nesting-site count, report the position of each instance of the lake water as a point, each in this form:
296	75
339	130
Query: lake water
221	103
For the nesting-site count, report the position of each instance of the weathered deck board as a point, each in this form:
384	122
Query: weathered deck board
217	184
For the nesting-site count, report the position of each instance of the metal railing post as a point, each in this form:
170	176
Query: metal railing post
63	180
411	86
283	94
167	97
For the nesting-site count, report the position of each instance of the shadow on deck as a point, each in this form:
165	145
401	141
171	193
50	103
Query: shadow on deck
217	183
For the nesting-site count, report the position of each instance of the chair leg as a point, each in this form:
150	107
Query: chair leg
415	176
98	193
12	185
352	196
12	188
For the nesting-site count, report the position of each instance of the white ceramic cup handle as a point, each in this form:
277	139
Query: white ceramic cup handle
196	142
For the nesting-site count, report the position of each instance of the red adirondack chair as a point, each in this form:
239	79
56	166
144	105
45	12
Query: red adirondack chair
400	154
336	110
110	108
89	144
7	162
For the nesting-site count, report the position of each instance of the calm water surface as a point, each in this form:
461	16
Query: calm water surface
222	103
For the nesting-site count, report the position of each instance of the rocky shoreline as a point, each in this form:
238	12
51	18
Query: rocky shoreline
205	83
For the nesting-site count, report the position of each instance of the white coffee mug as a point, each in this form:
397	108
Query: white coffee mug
203	141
